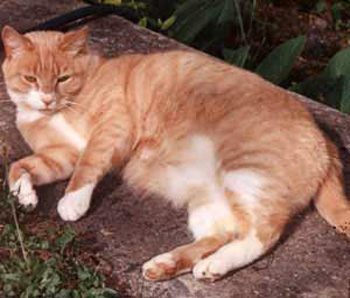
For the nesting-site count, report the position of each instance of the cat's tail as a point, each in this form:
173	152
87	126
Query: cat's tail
331	201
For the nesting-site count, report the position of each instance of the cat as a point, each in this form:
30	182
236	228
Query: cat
240	153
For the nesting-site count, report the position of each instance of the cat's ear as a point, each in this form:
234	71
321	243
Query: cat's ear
75	42
14	42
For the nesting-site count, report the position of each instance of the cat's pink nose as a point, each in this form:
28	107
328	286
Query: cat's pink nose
47	100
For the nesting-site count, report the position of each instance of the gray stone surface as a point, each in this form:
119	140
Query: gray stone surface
310	261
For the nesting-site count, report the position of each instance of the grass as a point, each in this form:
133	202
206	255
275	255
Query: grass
43	259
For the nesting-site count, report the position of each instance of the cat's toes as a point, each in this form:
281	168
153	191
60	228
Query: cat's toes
71	208
25	192
344	228
209	269
161	267
75	204
29	199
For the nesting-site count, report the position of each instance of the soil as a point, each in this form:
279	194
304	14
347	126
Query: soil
311	261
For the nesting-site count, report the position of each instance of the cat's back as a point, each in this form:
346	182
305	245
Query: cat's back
199	82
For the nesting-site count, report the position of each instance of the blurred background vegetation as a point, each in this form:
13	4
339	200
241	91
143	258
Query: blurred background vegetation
302	45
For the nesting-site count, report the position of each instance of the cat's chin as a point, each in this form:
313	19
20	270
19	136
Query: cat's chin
47	112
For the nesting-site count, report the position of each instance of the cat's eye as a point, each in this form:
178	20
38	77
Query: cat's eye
63	79
30	79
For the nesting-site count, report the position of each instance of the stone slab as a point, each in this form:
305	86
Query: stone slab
311	261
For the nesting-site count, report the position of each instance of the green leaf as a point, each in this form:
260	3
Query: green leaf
345	96
189	7
240	20
278	64
227	14
237	57
333	95
143	22
110	293
189	28
332	86
320	6
168	23
84	273
65	238
339	65
113	2
315	86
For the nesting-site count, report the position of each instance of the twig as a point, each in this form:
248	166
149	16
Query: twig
10	196
19	234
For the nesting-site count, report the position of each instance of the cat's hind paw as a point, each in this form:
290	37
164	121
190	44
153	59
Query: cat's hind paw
24	191
161	267
209	269
75	203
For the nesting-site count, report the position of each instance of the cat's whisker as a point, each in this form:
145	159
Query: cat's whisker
76	104
71	108
66	101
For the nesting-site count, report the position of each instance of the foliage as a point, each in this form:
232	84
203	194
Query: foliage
340	10
207	24
48	262
278	64
332	86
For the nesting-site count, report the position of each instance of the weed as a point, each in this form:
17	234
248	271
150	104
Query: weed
43	259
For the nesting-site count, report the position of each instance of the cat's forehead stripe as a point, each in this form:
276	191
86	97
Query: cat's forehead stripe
46	44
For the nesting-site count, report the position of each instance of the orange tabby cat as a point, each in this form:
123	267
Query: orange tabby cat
240	153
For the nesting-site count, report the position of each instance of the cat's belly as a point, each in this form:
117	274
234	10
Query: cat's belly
176	174
192	172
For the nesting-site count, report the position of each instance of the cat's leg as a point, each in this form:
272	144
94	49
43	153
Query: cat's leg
214	222
46	166
241	252
106	146
254	194
182	259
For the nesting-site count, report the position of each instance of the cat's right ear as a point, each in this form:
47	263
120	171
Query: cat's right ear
14	42
75	42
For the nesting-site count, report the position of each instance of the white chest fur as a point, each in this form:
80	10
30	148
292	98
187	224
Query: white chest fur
62	127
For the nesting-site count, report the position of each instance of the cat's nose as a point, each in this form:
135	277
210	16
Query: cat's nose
47	99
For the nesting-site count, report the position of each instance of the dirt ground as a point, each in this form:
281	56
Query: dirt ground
311	261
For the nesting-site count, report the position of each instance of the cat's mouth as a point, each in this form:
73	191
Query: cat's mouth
48	111
52	110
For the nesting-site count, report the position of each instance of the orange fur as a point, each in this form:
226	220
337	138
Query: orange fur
239	152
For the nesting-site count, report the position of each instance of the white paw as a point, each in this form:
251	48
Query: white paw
24	191
210	269
160	267
75	204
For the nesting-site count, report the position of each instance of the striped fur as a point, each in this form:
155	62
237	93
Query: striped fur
240	153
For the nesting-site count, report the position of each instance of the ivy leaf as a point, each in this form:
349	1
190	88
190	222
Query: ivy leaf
278	64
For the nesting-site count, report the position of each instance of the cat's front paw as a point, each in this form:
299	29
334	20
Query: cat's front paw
161	267
24	191
75	203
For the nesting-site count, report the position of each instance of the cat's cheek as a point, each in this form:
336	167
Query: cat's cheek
76	203
34	99
71	88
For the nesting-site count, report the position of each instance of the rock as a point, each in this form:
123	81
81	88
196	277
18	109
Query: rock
312	260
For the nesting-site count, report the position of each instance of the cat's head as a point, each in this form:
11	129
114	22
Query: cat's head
44	70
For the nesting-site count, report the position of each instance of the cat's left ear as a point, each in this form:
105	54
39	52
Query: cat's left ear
75	42
14	42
